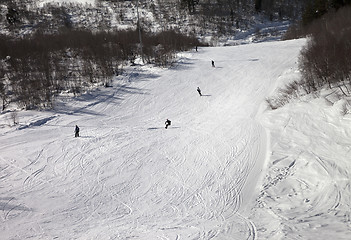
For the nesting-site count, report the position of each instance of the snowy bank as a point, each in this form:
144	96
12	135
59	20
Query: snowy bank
306	192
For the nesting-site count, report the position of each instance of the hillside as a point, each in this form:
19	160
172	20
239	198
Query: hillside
212	22
228	167
127	176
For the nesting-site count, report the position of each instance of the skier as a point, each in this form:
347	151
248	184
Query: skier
213	65
76	131
199	91
168	122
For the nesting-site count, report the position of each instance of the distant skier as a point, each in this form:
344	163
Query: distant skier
199	91
76	131
196	48
213	65
168	122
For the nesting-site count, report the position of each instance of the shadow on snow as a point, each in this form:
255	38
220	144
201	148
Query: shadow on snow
120	91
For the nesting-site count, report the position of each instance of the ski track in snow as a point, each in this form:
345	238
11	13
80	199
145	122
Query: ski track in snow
307	188
127	177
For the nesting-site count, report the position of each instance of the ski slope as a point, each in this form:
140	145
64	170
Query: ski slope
306	192
127	177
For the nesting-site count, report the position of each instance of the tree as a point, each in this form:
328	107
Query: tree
3	95
12	16
190	4
258	5
325	60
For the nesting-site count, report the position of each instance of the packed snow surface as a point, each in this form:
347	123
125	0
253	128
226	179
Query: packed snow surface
208	176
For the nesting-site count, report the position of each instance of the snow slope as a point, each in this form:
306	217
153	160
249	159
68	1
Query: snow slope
127	177
306	193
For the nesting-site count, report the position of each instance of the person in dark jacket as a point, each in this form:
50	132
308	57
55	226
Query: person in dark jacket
199	91
168	122
76	131
213	65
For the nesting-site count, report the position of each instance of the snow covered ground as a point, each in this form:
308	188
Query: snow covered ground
226	168
43	2
306	194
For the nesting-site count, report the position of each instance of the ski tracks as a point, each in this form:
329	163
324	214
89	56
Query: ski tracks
217	175
125	178
306	174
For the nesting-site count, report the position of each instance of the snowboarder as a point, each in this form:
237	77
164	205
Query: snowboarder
213	65
76	131
168	122
196	48
199	91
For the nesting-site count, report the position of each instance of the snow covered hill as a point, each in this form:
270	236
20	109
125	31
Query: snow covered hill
224	169
306	193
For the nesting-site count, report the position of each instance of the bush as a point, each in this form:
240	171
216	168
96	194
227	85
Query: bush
326	58
284	95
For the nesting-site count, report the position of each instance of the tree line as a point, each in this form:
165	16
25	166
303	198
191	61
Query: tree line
218	17
34	70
